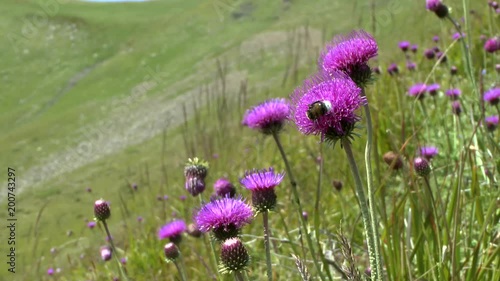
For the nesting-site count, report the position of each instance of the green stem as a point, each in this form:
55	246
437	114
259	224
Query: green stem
363	206
212	246
378	274
181	271
115	253
293	184
265	218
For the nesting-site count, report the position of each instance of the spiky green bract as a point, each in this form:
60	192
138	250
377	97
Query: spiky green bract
233	256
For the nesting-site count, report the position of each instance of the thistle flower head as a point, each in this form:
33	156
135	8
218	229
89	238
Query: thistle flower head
196	168
453	70
106	253
172	231
234	256
326	105
454	94
422	166
435	38
429	53
392	159
91	224
417	90
492	45
101	210
433	89
225	217
268	117
437	7
492	96
404	45
428	152
456	107
414	48
171	251
194	185
393	69
224	188
411	65
491	122
50	271
262	184
349	54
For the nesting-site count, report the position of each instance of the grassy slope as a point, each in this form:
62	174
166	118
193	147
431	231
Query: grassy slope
182	39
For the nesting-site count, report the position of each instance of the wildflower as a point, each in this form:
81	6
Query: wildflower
261	184
457	36
134	186
417	90
393	69
91	224
422	167
234	256
337	184
171	251
268	117
350	54
140	219
404	45
88	189
106	253
223	187
492	96
193	230
123	261
411	66
195	172
224	217
305	215
491	122
437	7
393	160
456	108
429	53
326	106
453	70
414	48
376	70
50	271
441	56
172	231
428	152
492	45
432	89
453	93
101	210
435	38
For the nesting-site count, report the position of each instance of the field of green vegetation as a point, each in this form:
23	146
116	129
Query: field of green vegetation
96	98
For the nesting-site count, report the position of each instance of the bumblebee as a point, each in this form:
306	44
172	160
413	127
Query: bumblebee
318	109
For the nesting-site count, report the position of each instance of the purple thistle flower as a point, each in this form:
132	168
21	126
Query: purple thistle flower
457	36
50	271
422	166
171	251
183	197
417	90
172	231
492	45
101	210
223	187
428	152
140	219
91	224
435	38
411	66
433	89
493	4
453	93
349	54
105	253
376	70
492	96
429	53
268	117
404	45
393	69
234	256
441	56
261	184
326	105
134	186
491	122
195	173
225	217
453	70
456	108
123	261
437	7
414	48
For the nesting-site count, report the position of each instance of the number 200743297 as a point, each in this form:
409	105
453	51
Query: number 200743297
11	187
